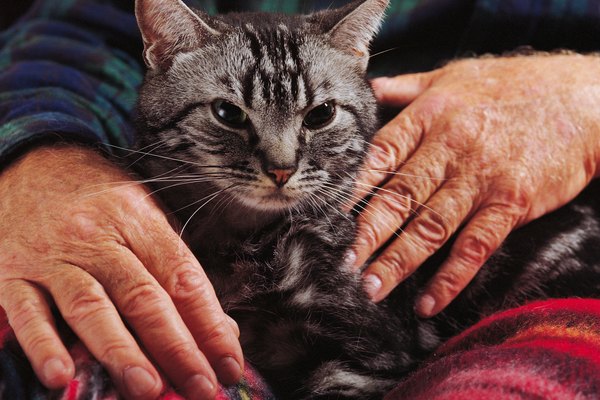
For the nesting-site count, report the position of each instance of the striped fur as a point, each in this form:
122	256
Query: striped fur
275	252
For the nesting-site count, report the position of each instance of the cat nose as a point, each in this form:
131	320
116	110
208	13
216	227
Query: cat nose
280	176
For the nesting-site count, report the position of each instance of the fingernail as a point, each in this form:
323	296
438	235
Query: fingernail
425	305
372	285
229	371
54	369
138	381
199	387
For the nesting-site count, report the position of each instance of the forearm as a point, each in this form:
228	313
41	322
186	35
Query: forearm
62	77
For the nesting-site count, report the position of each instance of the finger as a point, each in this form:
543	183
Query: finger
475	244
234	325
178	271
394	203
390	148
86	308
152	315
402	89
31	319
424	235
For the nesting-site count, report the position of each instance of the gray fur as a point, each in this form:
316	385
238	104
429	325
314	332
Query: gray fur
274	249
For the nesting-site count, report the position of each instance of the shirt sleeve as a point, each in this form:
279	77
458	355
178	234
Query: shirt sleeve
69	70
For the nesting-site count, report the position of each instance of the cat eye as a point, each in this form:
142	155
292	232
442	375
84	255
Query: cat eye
320	116
229	114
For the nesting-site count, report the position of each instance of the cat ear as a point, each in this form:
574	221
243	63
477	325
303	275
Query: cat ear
169	27
354	26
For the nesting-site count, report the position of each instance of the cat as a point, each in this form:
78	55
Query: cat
252	129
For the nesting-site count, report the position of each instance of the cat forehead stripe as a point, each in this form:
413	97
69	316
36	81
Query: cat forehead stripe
277	69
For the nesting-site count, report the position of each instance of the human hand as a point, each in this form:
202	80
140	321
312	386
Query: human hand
485	145
106	255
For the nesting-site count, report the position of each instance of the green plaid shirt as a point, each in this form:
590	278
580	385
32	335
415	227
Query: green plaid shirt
69	69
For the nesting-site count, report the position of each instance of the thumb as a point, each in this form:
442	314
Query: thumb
402	89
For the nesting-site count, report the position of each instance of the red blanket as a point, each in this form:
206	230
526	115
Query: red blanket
546	350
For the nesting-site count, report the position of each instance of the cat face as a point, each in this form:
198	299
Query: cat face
274	110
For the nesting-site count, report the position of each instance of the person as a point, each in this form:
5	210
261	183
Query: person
483	145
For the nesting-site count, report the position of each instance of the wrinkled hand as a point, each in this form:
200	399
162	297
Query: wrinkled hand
106	255
484	145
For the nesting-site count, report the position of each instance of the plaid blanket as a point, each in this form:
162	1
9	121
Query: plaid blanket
18	381
545	350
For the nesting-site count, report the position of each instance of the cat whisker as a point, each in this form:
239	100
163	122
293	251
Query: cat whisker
320	209
118	185
185	182
149	149
397	231
145	153
221	206
384	51
375	193
370	145
330	206
405	175
207	200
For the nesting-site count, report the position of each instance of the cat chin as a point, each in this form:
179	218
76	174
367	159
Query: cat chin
274	203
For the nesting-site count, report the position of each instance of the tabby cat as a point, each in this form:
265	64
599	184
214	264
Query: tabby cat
253	128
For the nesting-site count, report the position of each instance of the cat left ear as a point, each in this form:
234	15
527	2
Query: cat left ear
170	27
360	22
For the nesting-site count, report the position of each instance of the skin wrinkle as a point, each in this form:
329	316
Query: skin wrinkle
87	247
472	103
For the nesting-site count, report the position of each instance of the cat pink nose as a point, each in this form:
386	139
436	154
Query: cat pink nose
280	176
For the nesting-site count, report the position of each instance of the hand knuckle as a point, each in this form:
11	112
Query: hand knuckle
388	152
450	282
474	250
432	231
141	301
216	333
184	282
369	237
380	156
88	226
392	268
399	201
85	302
512	196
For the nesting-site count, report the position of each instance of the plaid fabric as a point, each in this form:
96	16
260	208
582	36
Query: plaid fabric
545	350
18	382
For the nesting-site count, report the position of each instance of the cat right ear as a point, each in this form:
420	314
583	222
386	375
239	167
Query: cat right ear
170	27
353	27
